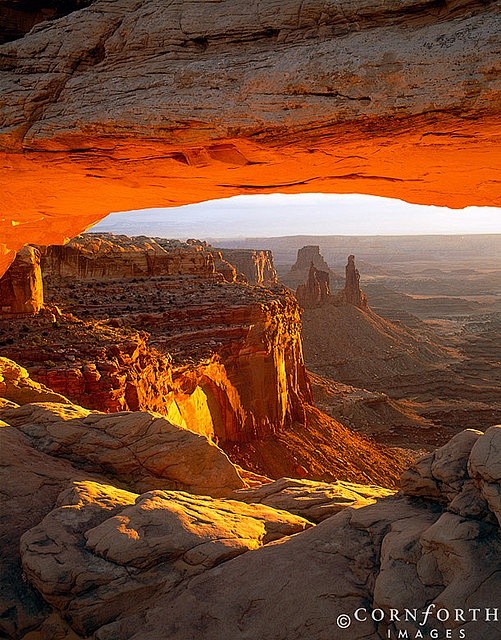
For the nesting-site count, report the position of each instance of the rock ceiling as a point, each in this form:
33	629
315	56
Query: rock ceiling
129	104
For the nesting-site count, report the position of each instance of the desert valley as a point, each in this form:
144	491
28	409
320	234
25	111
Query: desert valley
222	437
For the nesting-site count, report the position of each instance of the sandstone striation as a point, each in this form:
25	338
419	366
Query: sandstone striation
315	501
316	98
21	289
227	359
255	264
98	256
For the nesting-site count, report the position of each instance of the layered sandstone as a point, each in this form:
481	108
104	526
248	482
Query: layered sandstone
101	560
312	98
226	359
21	288
140	449
105	256
255	264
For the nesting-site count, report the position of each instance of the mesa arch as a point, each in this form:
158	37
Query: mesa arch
131	104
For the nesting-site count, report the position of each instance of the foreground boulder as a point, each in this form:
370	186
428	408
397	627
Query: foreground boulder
140	449
16	386
104	551
315	501
405	552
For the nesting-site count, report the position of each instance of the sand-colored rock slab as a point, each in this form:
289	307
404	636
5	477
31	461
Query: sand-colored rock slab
300	587
443	472
16	386
103	551
30	482
142	450
315	501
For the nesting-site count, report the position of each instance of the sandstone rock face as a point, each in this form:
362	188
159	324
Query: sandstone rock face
103	256
313	98
256	265
352	293
315	501
116	565
16	386
395	554
143	450
21	288
316	291
221	265
227	360
102	552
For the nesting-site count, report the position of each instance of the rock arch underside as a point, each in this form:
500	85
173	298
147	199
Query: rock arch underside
128	104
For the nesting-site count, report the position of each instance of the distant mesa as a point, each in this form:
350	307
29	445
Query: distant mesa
300	270
108	255
310	254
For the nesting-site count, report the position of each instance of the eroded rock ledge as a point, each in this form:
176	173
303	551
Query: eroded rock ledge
102	561
121	105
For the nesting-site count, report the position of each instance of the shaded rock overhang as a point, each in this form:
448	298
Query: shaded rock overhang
129	104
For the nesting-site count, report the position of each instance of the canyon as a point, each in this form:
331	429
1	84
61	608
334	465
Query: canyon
221	358
163	440
169	466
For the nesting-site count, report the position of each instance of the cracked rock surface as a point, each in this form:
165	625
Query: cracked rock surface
86	556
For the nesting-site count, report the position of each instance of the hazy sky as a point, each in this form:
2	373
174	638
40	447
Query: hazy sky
309	214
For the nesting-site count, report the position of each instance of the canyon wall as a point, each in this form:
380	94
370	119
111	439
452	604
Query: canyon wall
98	256
233	371
316	97
21	289
255	264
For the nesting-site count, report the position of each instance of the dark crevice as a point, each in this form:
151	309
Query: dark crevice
18	17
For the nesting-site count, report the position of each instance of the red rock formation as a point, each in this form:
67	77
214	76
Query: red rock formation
222	266
316	291
352	293
255	264
300	270
21	288
106	255
311	99
225	361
